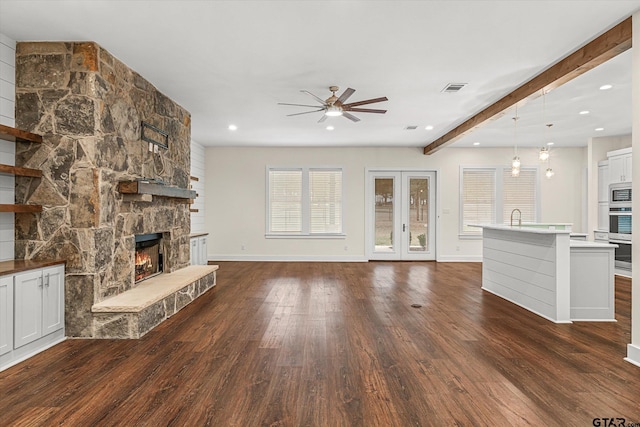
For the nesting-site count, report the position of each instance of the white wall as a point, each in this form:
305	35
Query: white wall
7	148
197	170
235	196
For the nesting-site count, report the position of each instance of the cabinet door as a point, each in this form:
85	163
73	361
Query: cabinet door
202	250
627	168
194	251
52	299
6	314
603	216
27	293
616	169
603	183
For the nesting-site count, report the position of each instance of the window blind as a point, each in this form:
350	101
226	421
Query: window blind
519	193
325	210
285	201
478	199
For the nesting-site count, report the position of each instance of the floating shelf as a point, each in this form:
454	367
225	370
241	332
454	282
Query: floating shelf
155	189
16	135
21	208
194	178
16	170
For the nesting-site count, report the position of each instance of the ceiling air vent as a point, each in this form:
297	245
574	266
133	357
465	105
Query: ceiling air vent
411	127
453	87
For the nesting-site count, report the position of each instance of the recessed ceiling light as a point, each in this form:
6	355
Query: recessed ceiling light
606	87
330	128
429	127
476	143
599	129
233	127
550	143
583	112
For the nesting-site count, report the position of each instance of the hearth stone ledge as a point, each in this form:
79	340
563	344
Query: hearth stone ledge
131	314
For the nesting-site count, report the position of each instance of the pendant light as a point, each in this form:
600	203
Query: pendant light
515	163
549	173
543	155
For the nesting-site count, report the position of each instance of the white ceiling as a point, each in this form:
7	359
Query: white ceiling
231	62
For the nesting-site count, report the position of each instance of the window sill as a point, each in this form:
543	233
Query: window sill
305	236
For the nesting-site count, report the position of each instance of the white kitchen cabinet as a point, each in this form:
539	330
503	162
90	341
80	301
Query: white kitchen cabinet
603	216
199	249
6	314
39	304
620	166
603	181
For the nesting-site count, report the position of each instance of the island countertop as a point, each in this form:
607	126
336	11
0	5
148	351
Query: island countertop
526	228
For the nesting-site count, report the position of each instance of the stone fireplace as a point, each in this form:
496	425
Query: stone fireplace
89	107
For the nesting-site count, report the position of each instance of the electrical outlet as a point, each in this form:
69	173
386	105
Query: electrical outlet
243	247
346	248
156	149
457	248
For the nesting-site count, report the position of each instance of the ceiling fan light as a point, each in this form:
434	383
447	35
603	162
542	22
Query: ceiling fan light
333	111
516	162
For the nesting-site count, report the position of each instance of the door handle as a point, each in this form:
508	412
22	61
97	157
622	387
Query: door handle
404	227
47	282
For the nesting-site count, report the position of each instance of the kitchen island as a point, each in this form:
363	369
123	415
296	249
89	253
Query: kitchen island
543	270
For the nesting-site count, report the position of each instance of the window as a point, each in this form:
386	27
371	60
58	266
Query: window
304	202
489	195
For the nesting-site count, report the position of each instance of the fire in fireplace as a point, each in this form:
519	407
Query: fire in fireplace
148	256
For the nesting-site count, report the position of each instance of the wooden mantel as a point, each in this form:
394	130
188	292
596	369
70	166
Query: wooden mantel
155	189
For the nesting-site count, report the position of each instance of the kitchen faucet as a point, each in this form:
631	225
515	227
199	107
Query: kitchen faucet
519	217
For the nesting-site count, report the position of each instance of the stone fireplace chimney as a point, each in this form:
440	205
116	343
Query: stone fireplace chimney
89	107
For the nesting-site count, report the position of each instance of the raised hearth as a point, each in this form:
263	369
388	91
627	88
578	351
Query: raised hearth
135	312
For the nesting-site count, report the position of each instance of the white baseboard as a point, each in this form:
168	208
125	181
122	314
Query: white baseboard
287	258
459	258
633	354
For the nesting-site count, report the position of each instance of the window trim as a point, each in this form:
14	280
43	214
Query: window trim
498	192
306	204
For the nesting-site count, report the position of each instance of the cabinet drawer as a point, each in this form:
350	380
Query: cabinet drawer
600	235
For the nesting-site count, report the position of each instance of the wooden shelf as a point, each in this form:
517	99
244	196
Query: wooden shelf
194	178
16	170
21	208
155	189
16	135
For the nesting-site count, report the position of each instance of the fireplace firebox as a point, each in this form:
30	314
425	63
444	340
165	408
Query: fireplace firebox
148	256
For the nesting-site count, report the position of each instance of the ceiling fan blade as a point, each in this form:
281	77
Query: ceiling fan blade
350	116
345	95
298	105
322	119
365	110
306	112
368	101
320	100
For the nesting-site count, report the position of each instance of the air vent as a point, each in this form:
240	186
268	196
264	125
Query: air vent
453	87
412	127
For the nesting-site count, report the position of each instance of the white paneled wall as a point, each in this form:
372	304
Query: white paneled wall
7	148
197	170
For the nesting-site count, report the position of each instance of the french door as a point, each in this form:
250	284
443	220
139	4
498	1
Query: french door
401	215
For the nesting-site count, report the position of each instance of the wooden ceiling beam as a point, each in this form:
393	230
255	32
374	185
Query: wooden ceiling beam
608	45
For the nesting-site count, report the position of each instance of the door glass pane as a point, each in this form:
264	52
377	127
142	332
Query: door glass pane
418	214
383	215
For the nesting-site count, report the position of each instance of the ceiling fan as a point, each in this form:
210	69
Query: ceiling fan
335	106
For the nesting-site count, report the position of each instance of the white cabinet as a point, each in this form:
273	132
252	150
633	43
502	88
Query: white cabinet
6	314
39	304
603	216
619	166
603	181
199	249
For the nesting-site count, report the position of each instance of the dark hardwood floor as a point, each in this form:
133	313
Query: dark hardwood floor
333	344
